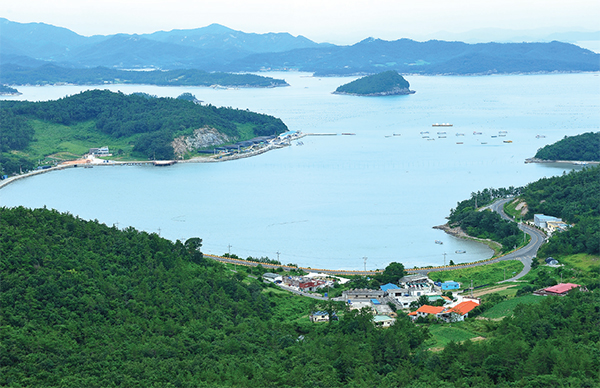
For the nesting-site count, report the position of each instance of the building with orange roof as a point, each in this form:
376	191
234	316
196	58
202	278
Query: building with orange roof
426	310
459	312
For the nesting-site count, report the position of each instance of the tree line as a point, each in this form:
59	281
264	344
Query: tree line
51	74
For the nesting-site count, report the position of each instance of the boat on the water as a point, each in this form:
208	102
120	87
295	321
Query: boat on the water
439	242
348	134
397	134
477	133
460	134
460	251
441	133
441	125
508	141
540	136
459	142
424	132
441	137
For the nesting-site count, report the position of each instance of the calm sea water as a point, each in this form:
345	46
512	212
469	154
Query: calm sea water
335	200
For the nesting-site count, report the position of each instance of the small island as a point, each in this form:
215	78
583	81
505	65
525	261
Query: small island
6	90
388	83
583	148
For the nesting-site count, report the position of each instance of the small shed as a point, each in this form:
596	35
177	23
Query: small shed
450	285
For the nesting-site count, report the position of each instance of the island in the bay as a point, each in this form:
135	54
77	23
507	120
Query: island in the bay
579	148
124	128
387	83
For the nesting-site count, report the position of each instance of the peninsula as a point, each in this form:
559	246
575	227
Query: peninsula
388	83
580	148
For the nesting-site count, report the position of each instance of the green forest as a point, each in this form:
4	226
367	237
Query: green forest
584	147
145	125
89	305
51	74
4	89
377	84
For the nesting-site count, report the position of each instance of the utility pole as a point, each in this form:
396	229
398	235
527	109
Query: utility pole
444	259
229	247
471	288
365	259
277	255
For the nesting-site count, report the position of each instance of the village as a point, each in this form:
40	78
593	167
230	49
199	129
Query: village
414	295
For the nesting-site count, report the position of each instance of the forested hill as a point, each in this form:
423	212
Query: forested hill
87	305
584	147
51	74
388	83
149	123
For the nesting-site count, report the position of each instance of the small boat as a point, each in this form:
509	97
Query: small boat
540	136
502	131
430	139
503	135
348	134
441	137
459	142
397	134
484	142
477	133
439	242
460	134
425	137
388	135
441	125
441	133
494	136
424	132
460	251
508	141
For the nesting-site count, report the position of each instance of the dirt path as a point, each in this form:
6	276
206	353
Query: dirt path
490	290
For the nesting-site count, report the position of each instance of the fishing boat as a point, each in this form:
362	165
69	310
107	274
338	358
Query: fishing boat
460	251
540	136
424	132
460	134
441	125
439	242
441	137
397	134
459	142
441	133
508	141
477	133
348	134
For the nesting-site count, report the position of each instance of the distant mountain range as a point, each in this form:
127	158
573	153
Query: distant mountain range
218	48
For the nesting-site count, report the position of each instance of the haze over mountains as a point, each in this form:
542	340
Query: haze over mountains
218	48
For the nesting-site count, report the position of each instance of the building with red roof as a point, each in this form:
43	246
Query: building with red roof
560	289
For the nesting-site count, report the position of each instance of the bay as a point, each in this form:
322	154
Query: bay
336	200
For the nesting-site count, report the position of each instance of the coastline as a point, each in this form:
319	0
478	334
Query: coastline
576	162
459	233
393	92
94	162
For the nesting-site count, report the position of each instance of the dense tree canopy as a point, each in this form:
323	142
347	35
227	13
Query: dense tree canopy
84	304
151	123
584	147
386	82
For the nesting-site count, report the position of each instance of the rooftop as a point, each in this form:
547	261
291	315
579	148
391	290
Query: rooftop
464	307
430	309
561	288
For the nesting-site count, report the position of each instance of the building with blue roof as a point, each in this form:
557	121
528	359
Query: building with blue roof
450	285
389	286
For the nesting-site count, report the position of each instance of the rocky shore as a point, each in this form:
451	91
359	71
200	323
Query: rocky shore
458	232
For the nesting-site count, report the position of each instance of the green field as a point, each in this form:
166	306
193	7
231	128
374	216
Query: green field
483	274
506	308
581	261
441	335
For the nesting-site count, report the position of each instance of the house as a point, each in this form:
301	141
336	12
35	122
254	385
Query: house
383	320
272	277
102	151
450	285
322	316
459	312
426	310
560	289
542	221
362	294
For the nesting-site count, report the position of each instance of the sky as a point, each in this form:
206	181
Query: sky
334	21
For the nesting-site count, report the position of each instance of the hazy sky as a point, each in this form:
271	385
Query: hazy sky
335	21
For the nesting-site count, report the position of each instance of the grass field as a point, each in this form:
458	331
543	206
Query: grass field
443	334
581	261
483	274
506	308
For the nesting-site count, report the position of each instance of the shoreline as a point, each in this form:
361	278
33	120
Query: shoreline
94	162
459	233
575	162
